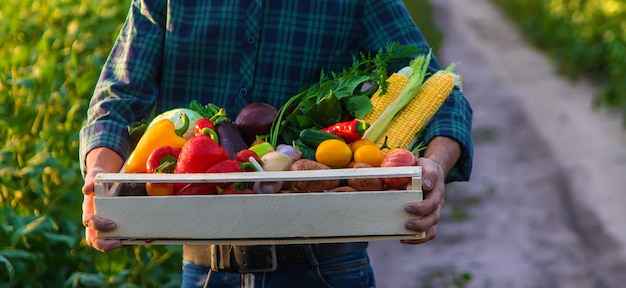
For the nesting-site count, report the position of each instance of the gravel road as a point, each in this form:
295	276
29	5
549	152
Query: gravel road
545	205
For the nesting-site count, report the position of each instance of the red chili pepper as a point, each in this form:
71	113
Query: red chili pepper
201	124
350	131
162	160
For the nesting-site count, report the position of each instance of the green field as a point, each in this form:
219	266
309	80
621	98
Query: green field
587	38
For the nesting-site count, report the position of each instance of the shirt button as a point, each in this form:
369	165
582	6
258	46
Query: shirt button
251	39
243	91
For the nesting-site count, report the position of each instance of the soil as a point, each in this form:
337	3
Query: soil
545	204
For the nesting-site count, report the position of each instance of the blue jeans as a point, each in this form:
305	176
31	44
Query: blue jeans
350	270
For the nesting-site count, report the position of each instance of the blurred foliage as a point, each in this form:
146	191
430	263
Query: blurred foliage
50	59
586	37
422	14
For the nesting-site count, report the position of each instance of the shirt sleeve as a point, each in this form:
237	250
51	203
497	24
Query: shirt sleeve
389	21
454	120
128	85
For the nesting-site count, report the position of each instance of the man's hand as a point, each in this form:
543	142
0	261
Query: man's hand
430	208
441	155
100	160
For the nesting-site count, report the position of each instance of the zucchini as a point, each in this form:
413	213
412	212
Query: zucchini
306	151
313	137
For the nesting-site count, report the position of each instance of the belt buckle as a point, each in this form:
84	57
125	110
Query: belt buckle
259	264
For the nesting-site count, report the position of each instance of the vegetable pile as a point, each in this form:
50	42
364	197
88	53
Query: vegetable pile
352	119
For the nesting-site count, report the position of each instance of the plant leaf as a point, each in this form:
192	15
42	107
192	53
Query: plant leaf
9	267
69	241
42	223
358	105
343	86
326	112
111	263
82	279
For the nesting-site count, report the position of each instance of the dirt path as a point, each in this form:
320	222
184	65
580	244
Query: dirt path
545	203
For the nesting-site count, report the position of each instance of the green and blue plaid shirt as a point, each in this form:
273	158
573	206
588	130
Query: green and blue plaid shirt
231	53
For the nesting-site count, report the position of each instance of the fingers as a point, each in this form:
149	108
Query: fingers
430	235
92	221
432	173
433	187
88	188
93	224
429	209
101	244
425	223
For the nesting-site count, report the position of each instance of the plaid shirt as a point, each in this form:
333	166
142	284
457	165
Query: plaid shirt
231	53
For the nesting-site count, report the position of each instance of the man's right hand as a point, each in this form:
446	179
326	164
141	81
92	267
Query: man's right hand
99	160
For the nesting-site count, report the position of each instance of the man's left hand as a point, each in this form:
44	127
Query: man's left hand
428	211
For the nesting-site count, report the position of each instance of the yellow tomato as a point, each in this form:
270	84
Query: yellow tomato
358	143
369	154
159	189
333	153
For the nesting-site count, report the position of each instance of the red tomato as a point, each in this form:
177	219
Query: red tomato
396	158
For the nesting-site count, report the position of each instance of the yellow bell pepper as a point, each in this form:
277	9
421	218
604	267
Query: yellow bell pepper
161	133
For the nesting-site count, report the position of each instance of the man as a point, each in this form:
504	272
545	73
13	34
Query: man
232	53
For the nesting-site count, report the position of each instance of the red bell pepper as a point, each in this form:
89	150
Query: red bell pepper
350	131
200	153
225	166
201	124
236	188
162	160
245	154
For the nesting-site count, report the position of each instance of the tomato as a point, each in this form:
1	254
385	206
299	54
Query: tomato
369	154
159	189
396	158
358	143
333	153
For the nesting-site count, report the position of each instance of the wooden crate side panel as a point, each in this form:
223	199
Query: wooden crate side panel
259	216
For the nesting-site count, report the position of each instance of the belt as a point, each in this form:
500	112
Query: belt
267	258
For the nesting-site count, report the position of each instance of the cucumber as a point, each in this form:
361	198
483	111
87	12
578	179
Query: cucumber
307	152
312	137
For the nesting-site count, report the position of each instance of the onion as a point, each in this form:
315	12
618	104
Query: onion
264	187
255	119
289	151
276	161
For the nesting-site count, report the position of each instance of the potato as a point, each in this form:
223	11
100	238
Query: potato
343	189
366	184
312	186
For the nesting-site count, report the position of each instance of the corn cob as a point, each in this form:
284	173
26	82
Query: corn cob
397	82
412	118
418	70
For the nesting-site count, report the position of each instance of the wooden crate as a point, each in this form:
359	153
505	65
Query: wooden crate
286	218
